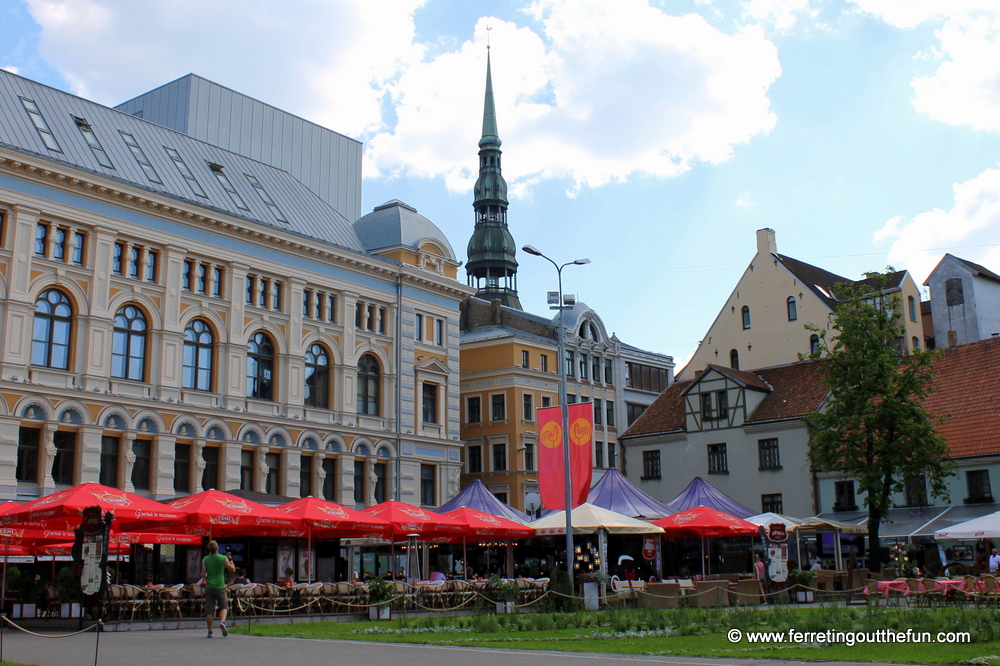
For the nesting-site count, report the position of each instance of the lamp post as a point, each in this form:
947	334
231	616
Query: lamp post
562	401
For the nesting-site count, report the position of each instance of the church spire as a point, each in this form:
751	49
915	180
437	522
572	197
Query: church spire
492	268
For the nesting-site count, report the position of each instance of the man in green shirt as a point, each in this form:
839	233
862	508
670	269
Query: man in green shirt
213	570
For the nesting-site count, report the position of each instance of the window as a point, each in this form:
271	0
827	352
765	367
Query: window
473	410
28	442
140	157
734	359
133	263
217	282
609	374
612	455
118	260
317	377
543	362
595	368
609	413
272	482
644	377
598	454
767	454
110	447
266	198
717	461
151	265
813	343
186	272
772	503
569	364
198	350
633	411
59	245
368	385
305	476
202	279
525	358
53	329
916	342
380	482
260	367
500	457
583	366
48	138
429	404
916	492
912	303
41	233
793	312
182	468
418	333
79	238
95	145
128	350
228	186
722	397
706	407
143	450
475	459
529	457
570	398
428	496
953	292
359	481
330	480
246	469
529	406
746	317
650	465
185	172
546	401
498	407
978	483
598	411
64	463
439	332
210	475
843	496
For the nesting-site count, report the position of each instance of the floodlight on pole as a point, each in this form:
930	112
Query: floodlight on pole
567	477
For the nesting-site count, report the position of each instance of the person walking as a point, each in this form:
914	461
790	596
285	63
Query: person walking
994	562
213	570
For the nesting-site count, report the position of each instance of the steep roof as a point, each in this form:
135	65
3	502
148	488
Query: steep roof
305	213
702	493
982	270
894	282
617	493
817	280
477	496
664	416
394	224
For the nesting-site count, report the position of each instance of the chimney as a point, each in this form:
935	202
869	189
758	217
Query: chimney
497	313
952	338
765	242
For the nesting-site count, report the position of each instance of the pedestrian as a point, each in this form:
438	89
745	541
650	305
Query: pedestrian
994	562
213	570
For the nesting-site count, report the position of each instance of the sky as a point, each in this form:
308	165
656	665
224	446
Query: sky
651	136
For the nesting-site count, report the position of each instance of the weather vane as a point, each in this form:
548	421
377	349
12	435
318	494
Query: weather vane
488	28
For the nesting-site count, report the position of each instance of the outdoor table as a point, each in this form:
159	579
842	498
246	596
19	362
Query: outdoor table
892	585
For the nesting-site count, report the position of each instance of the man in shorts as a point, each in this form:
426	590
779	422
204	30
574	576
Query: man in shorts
213	570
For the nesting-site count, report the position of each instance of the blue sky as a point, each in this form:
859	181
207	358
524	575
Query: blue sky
652	137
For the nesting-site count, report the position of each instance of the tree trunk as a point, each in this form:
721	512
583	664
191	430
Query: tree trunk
874	547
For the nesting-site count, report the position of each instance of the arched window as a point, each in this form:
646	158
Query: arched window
199	344
216	433
916	342
317	377
368	385
53	330
260	367
746	317
734	359
793	311
128	353
913	307
813	343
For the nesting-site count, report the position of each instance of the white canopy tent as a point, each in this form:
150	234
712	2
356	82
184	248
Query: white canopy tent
985	527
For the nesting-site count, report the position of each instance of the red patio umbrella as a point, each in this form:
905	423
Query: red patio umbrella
64	549
134	538
214	513
328	520
487	527
62	510
407	519
705	522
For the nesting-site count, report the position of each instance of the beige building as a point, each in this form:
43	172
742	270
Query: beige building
762	323
179	317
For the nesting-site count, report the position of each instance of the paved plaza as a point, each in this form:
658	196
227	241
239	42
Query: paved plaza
190	647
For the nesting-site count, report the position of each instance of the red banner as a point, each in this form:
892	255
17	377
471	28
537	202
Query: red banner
551	463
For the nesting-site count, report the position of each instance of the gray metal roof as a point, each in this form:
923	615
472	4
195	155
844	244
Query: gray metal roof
394	224
306	214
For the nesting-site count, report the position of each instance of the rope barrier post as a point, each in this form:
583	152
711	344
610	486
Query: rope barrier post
97	642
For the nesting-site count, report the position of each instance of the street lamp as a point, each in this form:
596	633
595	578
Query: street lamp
562	401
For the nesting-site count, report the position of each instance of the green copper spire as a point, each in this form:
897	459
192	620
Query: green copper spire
492	266
491	139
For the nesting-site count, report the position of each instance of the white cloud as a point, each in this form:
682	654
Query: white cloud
592	92
781	14
969	230
911	13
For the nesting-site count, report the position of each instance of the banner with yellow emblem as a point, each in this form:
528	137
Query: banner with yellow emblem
551	463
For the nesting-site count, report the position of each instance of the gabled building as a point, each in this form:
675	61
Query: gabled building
743	431
965	302
763	321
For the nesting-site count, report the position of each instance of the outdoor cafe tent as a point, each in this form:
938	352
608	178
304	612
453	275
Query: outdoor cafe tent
618	494
62	510
702	493
476	496
704	522
213	513
985	527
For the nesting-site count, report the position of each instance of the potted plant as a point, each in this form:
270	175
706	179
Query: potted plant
380	593
504	593
802	582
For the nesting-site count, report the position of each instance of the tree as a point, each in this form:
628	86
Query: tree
873	427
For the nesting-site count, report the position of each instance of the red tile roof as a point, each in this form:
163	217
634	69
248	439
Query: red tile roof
665	415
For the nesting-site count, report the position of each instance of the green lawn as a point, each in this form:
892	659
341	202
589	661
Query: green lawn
688	632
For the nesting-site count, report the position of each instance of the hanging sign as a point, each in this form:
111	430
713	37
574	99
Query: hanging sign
90	554
649	547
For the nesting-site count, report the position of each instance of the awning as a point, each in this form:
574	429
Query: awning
910	522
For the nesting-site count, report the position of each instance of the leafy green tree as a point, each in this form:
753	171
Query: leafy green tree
873	427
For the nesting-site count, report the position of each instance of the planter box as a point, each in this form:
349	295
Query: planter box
504	607
383	612
592	596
